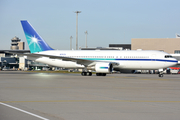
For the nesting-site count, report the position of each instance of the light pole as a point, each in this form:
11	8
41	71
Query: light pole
77	28
71	42
86	37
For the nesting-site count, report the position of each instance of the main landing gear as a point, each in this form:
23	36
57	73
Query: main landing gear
100	74
86	73
90	74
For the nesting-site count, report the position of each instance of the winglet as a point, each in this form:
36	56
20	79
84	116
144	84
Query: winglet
35	42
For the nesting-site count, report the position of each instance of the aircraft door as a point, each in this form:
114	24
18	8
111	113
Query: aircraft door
153	57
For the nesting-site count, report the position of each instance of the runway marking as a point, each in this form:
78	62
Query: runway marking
92	101
38	87
24	111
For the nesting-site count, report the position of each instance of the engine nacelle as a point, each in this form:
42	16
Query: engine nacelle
103	67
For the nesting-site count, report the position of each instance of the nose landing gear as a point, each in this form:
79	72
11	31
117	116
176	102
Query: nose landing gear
160	75
160	72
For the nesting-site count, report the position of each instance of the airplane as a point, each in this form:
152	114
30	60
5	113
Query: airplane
101	61
177	36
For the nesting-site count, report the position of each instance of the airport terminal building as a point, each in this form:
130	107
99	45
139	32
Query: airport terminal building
9	61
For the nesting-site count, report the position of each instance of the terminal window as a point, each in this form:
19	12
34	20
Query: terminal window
177	52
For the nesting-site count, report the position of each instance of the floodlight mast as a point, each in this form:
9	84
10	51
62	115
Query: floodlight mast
71	42
77	28
86	37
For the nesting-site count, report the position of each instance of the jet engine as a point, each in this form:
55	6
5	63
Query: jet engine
103	67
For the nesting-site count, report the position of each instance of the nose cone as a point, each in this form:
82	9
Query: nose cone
174	62
170	62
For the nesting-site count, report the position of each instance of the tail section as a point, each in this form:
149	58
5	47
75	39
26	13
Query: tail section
35	42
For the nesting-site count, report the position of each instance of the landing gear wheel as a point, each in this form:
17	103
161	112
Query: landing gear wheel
86	73
83	73
104	74
100	74
90	73
160	75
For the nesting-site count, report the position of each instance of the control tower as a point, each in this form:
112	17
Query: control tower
16	44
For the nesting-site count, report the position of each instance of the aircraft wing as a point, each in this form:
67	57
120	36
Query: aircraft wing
77	60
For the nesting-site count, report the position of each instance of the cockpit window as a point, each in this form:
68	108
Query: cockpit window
168	56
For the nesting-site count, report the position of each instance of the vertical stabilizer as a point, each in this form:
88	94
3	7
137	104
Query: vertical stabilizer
35	42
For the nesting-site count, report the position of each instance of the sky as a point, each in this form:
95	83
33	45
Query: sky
107	21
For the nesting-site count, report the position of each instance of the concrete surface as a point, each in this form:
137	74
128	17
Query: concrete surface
75	97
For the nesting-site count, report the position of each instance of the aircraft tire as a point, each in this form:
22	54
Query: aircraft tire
90	73
100	74
160	75
83	73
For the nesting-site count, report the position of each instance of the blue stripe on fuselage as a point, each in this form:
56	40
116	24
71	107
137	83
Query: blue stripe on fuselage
160	60
163	60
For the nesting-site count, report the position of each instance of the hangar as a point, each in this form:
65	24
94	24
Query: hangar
169	45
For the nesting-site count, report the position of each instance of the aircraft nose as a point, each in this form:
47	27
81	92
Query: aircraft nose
175	61
172	62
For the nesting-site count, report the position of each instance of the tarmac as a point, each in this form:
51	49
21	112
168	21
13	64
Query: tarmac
59	96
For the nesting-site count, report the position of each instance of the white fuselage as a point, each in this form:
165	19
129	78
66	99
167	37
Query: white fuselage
134	60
